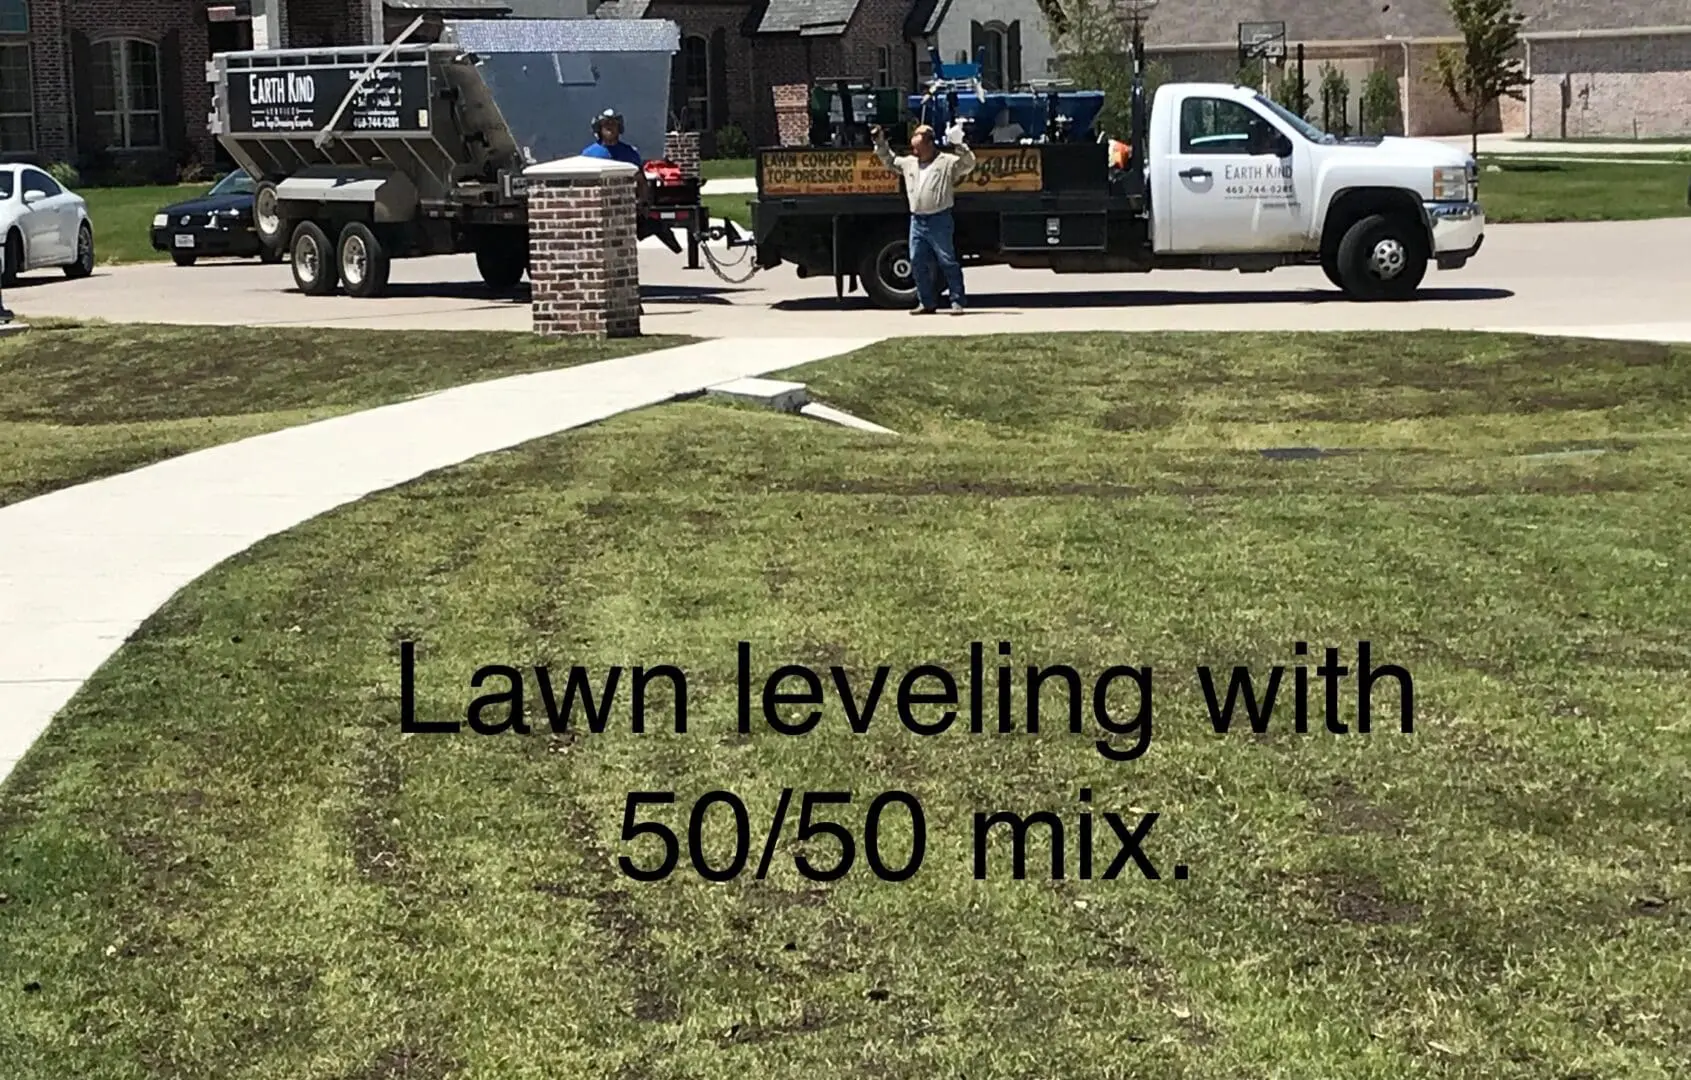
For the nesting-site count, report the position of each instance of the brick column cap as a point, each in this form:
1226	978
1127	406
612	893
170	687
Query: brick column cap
579	168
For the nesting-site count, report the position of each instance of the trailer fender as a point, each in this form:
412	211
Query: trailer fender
391	195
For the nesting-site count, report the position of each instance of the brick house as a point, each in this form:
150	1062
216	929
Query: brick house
119	85
1611	68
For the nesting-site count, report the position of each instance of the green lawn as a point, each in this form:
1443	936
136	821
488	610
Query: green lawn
1528	190
123	218
81	402
728	169
225	860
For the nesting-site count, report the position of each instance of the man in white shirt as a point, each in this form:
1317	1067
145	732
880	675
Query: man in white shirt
930	183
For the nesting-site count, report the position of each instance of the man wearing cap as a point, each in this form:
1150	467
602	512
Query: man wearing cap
930	183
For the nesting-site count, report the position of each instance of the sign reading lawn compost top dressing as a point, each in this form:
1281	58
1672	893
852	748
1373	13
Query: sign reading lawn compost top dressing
857	172
394	98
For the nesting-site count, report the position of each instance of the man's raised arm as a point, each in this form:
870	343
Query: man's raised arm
965	156
883	152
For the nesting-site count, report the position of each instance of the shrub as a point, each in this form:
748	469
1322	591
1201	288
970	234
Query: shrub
731	142
65	173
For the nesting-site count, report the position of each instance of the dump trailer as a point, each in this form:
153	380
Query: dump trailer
367	154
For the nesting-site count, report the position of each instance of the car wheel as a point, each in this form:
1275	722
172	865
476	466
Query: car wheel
14	259
84	264
316	269
1383	258
184	258
363	261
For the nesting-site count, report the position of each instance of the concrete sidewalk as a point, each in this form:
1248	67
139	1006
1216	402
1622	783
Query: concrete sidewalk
1517	144
82	568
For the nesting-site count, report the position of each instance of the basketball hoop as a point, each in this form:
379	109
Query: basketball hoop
1262	41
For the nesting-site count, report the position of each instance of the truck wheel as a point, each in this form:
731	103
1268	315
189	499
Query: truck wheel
1383	258
501	262
316	270
266	217
362	261
886	272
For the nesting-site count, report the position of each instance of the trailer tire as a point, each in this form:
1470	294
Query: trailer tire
267	218
316	268
501	262
1383	258
362	261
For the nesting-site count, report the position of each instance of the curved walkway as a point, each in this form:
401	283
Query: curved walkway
82	568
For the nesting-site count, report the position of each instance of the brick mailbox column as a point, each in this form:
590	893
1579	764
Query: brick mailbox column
681	148
584	256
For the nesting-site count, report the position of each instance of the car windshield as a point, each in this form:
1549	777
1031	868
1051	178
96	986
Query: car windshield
236	183
1305	128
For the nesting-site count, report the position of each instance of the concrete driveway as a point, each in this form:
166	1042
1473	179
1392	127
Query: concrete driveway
1626	279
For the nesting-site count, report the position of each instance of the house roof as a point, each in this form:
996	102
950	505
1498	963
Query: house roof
808	17
924	18
1203	22
623	9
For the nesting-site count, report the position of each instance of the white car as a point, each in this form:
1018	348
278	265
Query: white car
44	224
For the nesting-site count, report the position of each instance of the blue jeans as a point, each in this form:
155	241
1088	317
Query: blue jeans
931	240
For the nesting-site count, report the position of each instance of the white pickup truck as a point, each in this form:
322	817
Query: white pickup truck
1222	178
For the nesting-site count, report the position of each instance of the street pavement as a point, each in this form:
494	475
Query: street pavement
1609	279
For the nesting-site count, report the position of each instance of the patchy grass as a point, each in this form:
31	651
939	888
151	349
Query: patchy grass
225	860
1532	190
78	402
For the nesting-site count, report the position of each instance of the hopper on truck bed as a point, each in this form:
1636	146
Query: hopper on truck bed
367	153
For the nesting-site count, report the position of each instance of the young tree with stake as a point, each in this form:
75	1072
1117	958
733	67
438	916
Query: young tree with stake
1483	69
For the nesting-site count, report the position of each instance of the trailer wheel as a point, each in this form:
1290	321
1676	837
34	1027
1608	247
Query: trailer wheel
1383	258
316	271
501	262
267	217
362	261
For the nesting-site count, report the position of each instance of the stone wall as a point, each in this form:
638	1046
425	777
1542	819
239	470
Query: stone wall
1616	88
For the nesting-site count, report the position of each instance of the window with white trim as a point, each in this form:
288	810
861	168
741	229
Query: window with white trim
17	99
127	94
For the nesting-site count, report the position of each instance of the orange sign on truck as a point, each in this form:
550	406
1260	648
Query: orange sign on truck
857	172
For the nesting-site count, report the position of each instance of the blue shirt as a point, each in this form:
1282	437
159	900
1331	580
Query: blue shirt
619	151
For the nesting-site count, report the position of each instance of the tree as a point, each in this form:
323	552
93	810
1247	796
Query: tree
1094	46
1335	100
1378	102
1484	68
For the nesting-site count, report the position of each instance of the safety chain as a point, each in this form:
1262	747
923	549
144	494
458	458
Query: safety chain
717	266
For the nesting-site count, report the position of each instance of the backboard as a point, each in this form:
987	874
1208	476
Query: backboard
1262	41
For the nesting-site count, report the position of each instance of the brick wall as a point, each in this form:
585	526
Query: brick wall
682	150
789	61
738	82
584	260
792	113
1618	88
50	72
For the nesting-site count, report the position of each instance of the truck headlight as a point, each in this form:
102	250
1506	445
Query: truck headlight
1450	184
160	220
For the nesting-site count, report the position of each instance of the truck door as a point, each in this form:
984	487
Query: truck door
1229	190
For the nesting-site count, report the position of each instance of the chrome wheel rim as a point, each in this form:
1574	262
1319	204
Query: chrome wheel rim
354	260
307	260
1388	259
264	209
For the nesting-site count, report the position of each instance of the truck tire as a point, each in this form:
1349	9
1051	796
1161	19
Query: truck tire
316	269
885	271
362	261
1383	258
1330	267
501	261
266	217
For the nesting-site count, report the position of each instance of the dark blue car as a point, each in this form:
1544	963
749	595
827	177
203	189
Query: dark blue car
218	223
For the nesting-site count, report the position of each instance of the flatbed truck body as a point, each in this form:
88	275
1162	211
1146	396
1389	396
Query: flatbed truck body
1219	178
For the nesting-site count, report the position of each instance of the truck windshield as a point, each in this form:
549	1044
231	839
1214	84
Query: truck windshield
1305	128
